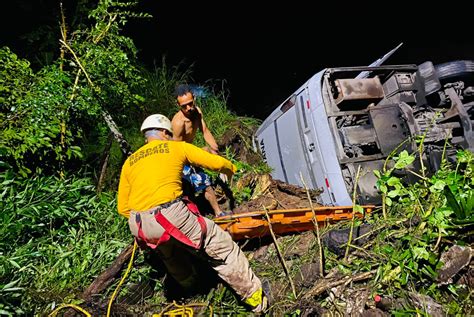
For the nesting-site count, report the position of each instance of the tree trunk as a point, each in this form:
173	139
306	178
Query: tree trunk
124	146
104	162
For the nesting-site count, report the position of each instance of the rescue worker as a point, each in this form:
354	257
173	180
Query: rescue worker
185	123
150	196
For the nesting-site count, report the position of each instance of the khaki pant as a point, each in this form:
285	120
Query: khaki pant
227	259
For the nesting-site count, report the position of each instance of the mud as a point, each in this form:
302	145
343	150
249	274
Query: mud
271	194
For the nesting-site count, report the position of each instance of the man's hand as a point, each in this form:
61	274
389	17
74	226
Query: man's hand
228	178
224	178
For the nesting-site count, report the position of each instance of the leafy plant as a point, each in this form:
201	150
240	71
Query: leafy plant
422	213
53	239
46	114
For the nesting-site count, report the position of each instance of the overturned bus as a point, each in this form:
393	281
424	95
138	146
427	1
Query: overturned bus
350	117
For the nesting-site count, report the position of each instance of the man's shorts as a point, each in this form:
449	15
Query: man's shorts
196	177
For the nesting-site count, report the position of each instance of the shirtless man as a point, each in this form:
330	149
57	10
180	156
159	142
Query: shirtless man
185	124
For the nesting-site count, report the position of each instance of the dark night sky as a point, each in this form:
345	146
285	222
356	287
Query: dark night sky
264	53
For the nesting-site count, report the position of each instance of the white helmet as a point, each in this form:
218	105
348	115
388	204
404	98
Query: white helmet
156	121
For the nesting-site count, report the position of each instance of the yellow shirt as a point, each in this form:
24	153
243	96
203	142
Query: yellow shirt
152	175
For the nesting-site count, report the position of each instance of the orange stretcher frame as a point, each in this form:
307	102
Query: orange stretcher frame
254	224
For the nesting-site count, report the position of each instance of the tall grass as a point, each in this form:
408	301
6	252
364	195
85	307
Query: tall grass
160	85
219	118
56	237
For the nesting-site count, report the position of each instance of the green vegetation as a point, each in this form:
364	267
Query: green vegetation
401	253
403	248
59	233
424	220
53	239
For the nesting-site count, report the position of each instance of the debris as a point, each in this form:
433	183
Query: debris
374	312
454	260
336	239
335	279
307	275
426	303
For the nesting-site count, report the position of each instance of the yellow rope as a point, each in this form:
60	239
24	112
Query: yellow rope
123	278
182	310
82	310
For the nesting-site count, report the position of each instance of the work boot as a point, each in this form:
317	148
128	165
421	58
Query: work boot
259	301
262	307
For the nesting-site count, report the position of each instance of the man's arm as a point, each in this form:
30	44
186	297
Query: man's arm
178	129
208	137
199	157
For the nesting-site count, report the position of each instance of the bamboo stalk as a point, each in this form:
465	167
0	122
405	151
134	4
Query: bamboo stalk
316	226
107	28
354	196
78	62
280	256
63	30
62	124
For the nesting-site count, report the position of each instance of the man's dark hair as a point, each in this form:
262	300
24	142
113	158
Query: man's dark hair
182	89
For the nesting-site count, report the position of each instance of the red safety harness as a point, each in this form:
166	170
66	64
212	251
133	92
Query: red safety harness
170	229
